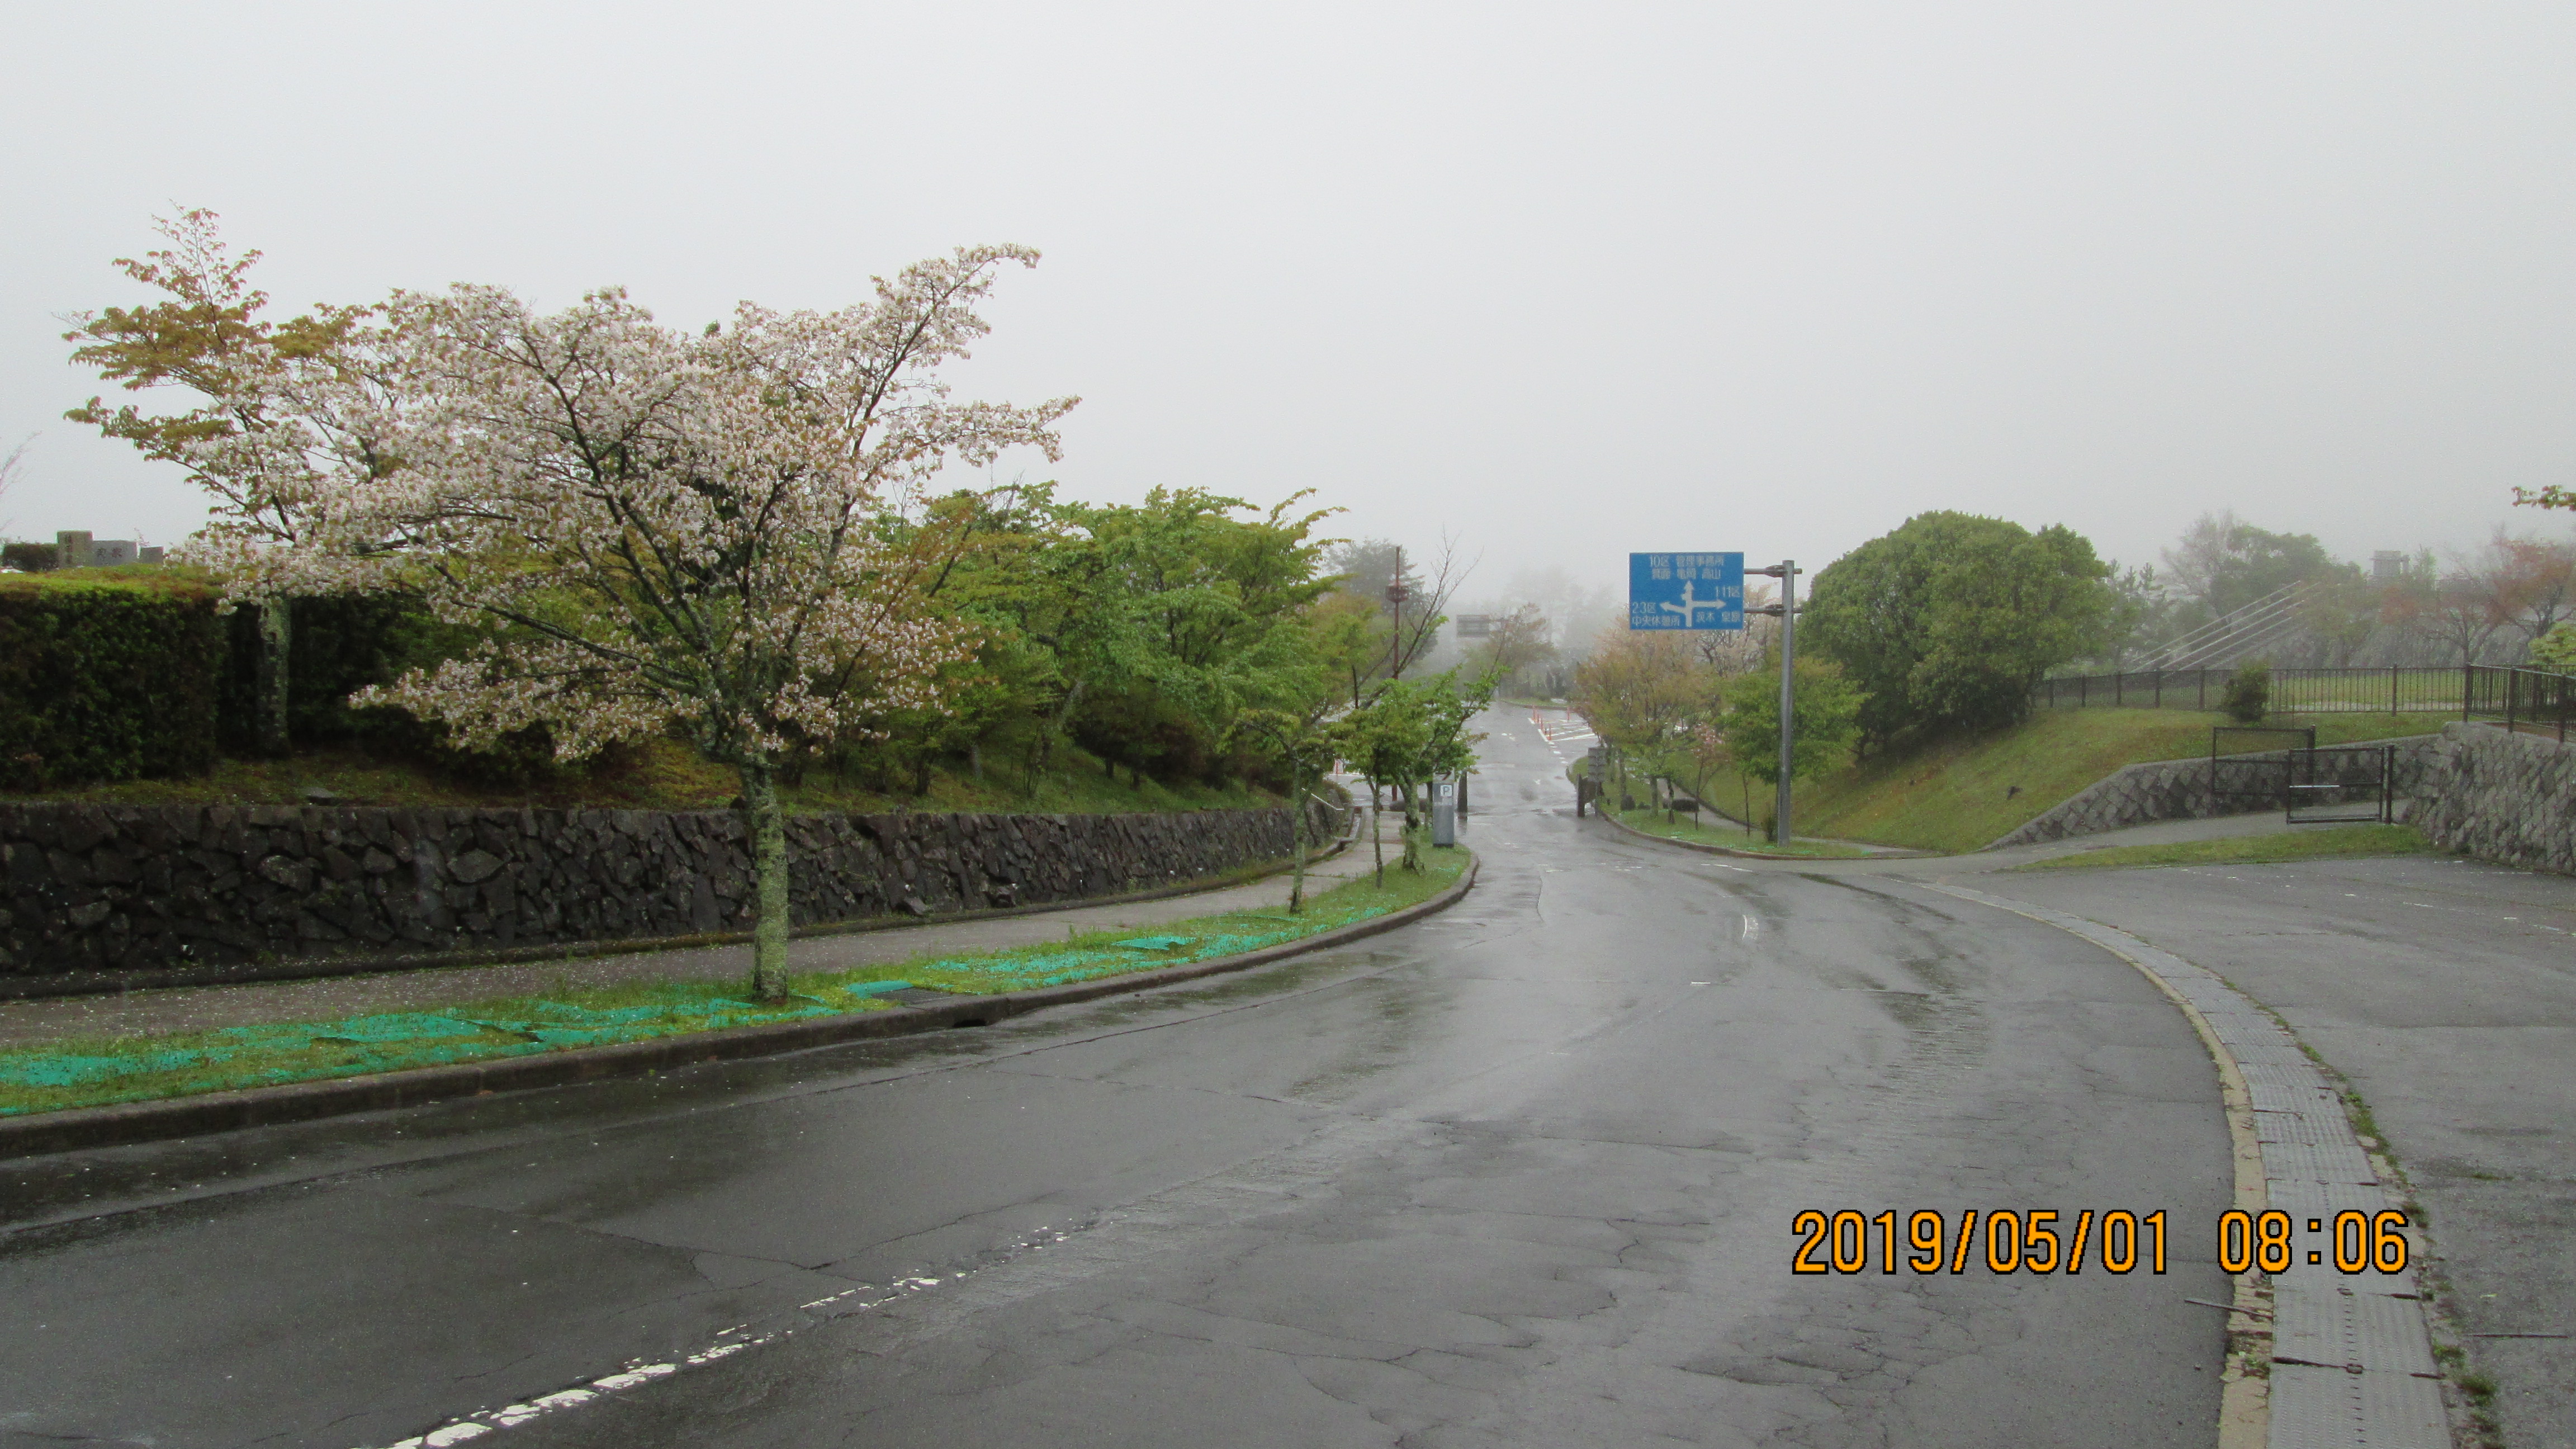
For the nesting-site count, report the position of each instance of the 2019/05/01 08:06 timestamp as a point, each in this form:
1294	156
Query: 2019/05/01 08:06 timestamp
2043	1240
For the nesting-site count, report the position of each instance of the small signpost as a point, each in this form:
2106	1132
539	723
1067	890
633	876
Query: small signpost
1685	591
1475	626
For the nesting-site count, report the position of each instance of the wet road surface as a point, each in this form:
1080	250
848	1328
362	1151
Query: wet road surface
1523	1173
2445	991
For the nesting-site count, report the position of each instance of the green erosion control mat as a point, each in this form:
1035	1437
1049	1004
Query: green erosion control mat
258	1056
100	1072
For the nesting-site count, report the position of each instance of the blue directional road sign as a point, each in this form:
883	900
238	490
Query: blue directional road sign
1685	591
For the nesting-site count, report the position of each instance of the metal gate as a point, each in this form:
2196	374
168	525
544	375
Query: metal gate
2346	784
2243	783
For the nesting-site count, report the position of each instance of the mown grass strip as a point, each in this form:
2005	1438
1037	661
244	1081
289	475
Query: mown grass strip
97	1072
2334	843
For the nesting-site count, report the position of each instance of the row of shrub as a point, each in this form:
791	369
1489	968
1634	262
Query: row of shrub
126	673
107	679
130	673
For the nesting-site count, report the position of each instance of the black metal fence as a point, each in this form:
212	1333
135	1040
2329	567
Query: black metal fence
2532	701
2395	690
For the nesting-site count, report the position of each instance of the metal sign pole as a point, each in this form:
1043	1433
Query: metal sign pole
1788	687
1786	611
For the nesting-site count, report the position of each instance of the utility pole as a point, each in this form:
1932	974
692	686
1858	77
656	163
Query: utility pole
1786	611
1396	594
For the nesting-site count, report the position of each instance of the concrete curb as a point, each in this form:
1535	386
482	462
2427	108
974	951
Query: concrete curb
2344	1360
85	1127
1615	823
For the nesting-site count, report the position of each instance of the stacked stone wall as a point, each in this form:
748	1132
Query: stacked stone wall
88	888
2242	784
2500	796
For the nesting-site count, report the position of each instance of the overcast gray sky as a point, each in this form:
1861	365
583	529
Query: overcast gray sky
1568	281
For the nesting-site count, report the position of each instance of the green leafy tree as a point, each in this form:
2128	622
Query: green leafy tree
1824	720
1635	689
2228	563
2139	616
1384	741
1950	621
1145	631
1409	733
1302	742
2556	650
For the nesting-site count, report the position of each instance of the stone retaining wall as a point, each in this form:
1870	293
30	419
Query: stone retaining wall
88	888
2182	790
2499	796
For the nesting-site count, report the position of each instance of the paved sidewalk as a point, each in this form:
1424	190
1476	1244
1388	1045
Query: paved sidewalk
198	1008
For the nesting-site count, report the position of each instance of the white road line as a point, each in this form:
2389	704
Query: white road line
484	1421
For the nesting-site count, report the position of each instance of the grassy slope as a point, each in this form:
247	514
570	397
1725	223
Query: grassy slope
2340	842
99	1071
1959	794
660	775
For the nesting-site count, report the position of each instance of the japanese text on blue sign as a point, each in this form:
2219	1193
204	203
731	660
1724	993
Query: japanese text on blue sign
1685	591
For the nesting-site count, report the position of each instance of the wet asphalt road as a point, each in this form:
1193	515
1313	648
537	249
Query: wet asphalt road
2445	991
1521	1174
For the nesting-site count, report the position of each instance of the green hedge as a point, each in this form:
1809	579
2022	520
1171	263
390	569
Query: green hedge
107	675
336	646
114	674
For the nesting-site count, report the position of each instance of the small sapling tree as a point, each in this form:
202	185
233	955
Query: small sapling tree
1824	720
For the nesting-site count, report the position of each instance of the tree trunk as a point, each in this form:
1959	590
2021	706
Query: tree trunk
1297	802
769	872
276	636
1377	837
1046	741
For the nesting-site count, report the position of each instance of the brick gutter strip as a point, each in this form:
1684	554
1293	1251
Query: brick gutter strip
105	983
2338	1362
84	1127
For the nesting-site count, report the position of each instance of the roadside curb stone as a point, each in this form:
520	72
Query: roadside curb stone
2350	1359
87	1127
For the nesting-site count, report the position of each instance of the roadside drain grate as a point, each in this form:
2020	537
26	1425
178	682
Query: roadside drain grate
916	996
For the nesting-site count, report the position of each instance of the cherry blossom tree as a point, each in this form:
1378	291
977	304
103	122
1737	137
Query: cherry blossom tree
655	529
207	336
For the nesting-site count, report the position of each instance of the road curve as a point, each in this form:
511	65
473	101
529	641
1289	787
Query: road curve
1524	1173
